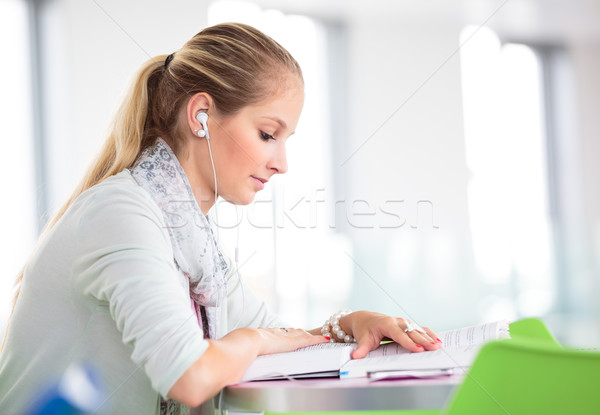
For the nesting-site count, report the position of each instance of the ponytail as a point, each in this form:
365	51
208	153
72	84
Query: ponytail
120	151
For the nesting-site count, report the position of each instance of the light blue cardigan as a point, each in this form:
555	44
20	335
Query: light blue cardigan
103	288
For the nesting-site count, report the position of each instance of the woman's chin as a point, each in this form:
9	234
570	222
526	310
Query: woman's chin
242	200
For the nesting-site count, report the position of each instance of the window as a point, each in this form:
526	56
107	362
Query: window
17	169
508	190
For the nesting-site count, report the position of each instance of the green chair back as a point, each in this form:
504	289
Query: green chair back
524	377
531	329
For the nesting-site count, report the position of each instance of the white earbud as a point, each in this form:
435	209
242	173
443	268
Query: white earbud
202	118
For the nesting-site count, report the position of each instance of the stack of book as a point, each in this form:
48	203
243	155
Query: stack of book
459	349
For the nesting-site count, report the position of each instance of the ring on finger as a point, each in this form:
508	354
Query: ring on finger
410	326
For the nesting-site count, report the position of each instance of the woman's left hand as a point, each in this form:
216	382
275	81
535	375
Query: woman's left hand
369	329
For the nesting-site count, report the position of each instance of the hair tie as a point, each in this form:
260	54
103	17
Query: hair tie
169	59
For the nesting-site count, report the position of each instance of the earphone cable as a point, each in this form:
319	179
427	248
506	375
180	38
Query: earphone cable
237	243
237	269
212	163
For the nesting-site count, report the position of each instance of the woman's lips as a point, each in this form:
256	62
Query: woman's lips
259	182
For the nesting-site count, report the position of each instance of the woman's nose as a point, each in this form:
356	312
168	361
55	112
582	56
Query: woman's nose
278	162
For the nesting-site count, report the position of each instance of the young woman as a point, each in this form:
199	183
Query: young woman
129	276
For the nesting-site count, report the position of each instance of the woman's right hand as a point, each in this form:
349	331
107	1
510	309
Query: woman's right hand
279	340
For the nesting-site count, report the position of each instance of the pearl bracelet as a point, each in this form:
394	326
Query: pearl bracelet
332	325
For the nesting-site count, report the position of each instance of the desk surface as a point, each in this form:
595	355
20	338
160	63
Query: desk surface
335	394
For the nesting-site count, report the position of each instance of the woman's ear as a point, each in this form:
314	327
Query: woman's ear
200	102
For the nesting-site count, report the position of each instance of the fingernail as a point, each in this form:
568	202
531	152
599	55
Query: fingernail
418	345
434	343
438	340
328	338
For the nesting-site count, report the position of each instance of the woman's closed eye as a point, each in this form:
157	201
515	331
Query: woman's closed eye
266	136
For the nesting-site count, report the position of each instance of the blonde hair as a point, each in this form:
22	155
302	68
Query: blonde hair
236	64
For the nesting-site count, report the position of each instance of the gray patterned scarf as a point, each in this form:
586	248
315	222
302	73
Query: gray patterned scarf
195	249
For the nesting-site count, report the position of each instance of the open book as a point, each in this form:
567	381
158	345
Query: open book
459	349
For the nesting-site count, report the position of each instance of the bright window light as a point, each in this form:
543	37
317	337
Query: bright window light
17	167
506	156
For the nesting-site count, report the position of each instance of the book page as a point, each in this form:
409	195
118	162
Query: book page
475	334
459	337
324	357
443	358
459	349
388	349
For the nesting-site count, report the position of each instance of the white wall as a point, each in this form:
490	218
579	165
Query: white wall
584	224
405	83
103	45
